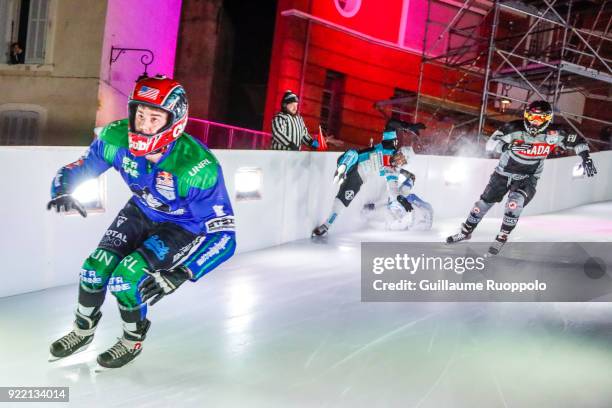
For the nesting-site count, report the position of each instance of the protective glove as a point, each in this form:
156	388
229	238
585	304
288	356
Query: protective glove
404	203
161	283
340	174
396	124
589	167
65	203
415	127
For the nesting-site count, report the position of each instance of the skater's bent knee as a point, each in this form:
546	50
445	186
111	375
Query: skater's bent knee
126	276
515	203
97	269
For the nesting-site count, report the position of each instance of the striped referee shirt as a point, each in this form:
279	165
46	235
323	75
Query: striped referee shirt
289	132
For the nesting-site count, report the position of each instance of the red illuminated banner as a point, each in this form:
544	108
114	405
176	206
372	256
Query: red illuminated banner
379	19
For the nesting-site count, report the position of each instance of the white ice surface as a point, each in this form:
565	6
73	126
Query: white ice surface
284	327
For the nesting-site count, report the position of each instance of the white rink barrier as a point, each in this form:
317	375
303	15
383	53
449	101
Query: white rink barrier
40	249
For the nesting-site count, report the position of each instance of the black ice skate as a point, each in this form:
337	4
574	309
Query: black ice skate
127	347
320	231
499	242
464	235
78	339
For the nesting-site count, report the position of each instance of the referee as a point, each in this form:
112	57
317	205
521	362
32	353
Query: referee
288	128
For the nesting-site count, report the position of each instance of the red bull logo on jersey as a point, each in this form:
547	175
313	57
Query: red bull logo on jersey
164	183
538	150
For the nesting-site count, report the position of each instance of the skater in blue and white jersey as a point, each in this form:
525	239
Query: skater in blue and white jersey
356	167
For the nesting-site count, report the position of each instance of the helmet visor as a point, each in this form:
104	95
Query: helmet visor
537	119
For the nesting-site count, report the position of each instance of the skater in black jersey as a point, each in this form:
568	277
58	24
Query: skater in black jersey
524	145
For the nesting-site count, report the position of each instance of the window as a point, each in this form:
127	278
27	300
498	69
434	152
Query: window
5	30
331	103
37	31
25	22
18	127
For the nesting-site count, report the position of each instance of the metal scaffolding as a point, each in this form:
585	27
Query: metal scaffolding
459	48
508	52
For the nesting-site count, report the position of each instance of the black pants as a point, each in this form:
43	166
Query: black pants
350	187
499	185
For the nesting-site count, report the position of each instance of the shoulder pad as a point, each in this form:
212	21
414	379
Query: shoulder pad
571	139
193	164
116	133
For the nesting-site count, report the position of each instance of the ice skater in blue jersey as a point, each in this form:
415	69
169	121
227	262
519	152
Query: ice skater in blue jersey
356	167
178	225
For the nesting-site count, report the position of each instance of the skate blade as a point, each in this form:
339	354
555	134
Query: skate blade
456	242
53	358
319	239
493	251
101	369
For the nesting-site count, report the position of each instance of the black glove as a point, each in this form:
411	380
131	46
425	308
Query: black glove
66	202
408	175
415	127
396	124
161	283
405	203
589	166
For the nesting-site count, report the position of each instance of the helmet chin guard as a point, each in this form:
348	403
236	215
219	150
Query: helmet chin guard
162	93
537	116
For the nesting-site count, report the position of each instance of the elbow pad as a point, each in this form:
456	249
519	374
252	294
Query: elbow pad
494	145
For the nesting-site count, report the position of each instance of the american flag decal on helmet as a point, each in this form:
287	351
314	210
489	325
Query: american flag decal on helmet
149	93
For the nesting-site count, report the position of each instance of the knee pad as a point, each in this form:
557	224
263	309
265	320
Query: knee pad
514	207
514	204
97	270
123	283
481	207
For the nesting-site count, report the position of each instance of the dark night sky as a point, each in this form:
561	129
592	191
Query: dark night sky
253	22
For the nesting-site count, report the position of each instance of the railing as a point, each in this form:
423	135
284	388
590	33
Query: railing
222	136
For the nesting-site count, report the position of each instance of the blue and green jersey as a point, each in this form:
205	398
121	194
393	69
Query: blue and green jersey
185	186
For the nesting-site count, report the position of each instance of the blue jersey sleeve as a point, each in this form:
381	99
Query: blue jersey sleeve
212	206
94	162
349	158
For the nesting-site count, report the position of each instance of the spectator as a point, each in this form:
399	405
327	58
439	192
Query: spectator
288	129
16	54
